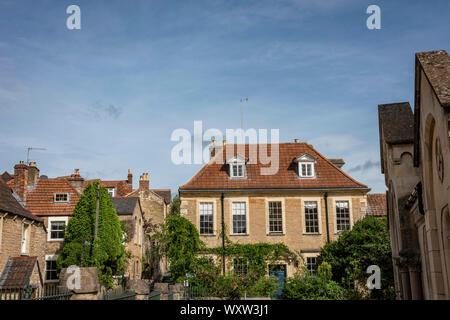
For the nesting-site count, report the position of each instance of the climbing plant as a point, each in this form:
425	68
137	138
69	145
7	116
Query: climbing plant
107	251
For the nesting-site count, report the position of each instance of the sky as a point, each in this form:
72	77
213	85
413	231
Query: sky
106	98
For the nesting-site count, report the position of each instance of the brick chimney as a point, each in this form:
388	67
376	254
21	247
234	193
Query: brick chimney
21	179
130	177
33	174
76	181
144	183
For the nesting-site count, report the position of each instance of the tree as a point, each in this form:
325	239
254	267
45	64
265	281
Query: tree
368	243
179	241
175	206
107	252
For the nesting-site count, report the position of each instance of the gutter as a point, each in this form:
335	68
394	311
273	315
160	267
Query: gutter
223	233
325	198
276	189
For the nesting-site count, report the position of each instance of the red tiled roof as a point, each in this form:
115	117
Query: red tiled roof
215	176
376	204
122	187
39	201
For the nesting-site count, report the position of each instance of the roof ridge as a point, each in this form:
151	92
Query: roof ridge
336	167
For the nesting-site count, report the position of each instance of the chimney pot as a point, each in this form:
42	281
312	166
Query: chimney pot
214	142
224	142
130	177
296	140
143	182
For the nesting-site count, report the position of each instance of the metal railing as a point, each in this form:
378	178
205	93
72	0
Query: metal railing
119	293
29	293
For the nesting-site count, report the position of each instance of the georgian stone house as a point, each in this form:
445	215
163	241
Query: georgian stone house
415	159
22	243
305	204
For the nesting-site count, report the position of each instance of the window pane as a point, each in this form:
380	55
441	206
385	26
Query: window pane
311	217
311	264
240	267
342	215
239	217
206	218
57	229
50	270
275	217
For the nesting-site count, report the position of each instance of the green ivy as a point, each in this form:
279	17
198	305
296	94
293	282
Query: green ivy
107	252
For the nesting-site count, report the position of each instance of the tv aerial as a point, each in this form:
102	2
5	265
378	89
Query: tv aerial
28	152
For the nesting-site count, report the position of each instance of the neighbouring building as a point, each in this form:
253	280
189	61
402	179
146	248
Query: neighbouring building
155	205
415	159
305	204
376	205
130	212
22	243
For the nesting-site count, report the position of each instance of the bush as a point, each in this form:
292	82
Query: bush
264	287
309	287
368	243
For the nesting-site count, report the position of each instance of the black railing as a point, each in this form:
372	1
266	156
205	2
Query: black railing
30	293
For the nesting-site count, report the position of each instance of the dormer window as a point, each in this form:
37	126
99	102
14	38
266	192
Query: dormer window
112	192
306	164
60	197
237	167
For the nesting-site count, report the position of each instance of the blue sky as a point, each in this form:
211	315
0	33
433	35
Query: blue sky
106	98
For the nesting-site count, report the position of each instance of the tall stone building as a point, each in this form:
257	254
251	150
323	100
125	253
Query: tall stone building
306	203
415	159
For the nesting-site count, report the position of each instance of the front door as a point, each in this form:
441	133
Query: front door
279	271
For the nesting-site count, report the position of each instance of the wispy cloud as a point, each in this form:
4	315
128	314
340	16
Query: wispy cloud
369	164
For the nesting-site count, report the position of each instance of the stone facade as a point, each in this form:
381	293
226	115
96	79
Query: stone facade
293	236
11	230
293	194
415	153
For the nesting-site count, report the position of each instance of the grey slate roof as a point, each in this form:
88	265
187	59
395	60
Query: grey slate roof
6	176
125	206
8	203
164	193
436	65
396	122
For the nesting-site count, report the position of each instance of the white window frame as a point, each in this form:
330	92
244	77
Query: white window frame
307	255
306	159
214	210
25	240
113	189
49	257
237	161
283	216
60	193
247	216
319	214
49	228
337	199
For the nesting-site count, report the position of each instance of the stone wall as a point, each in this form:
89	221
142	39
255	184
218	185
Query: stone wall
257	217
11	227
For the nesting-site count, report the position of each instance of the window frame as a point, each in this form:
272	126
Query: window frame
49	228
213	207
50	258
319	214
113	191
306	159
350	210
238	161
26	233
232	215
243	266
283	217
67	194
